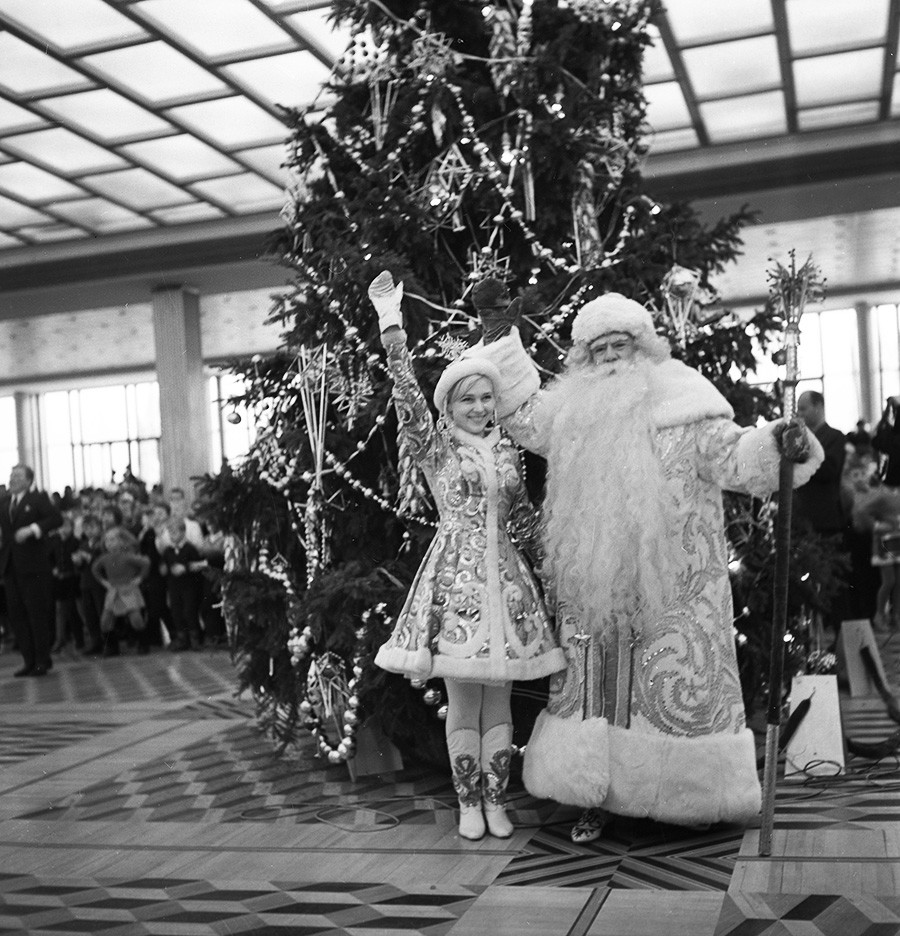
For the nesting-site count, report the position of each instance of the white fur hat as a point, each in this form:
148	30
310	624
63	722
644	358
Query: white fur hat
460	368
612	313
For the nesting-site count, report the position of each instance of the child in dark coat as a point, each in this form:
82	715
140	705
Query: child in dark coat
181	566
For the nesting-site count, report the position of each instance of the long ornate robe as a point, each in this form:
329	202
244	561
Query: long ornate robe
654	725
474	611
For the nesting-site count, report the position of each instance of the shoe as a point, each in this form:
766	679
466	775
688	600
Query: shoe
39	671
589	827
498	823
24	671
471	822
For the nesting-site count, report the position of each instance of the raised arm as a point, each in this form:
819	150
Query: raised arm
414	417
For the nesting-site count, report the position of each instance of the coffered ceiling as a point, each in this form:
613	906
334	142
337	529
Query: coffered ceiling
129	127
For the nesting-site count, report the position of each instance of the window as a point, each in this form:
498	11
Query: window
886	350
92	435
828	361
233	428
9	449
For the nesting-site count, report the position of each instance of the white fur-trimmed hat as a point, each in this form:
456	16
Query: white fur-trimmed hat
459	369
613	313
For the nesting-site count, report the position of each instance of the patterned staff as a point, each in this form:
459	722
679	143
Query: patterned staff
791	289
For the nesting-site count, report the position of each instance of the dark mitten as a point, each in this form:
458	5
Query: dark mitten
792	440
497	313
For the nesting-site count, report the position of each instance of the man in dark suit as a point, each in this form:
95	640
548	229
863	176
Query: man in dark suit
819	501
26	517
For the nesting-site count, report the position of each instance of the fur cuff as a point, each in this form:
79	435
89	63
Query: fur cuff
684	781
567	760
759	458
414	664
520	379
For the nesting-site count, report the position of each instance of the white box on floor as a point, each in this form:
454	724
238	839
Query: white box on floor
817	746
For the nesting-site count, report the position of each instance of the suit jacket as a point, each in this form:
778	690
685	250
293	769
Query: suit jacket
33	556
819	500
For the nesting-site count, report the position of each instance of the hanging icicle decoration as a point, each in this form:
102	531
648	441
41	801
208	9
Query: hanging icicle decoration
588	242
314	399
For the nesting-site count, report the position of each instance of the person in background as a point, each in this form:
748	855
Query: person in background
26	517
64	545
818	503
156	517
91	593
213	551
181	566
120	570
178	507
886	441
110	516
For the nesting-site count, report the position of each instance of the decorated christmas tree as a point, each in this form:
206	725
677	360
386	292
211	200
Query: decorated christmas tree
456	141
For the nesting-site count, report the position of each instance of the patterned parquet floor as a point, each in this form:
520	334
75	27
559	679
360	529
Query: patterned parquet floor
137	796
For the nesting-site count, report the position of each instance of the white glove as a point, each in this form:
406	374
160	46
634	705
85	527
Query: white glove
386	298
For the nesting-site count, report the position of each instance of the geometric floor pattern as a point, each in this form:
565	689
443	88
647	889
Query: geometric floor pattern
633	854
157	906
201	771
20	742
808	915
234	776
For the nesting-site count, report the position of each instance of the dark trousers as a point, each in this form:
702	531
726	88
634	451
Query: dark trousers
154	589
184	603
90	605
32	613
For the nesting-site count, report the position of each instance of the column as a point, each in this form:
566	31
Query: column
869	383
183	395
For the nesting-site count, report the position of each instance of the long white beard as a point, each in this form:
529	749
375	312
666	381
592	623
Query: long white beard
608	531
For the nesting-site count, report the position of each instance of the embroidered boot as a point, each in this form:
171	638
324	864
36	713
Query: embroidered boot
464	746
496	752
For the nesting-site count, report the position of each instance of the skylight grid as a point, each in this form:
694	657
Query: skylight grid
162	112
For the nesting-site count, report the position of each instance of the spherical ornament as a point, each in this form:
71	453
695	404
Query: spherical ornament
351	719
442	713
417	683
334	757
233	417
357	671
433	697
306	706
353	702
256	359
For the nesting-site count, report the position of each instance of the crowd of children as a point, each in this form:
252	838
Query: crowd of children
136	570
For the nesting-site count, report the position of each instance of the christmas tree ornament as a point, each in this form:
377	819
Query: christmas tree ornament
588	242
680	288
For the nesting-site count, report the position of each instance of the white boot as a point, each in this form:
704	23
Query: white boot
464	746
496	752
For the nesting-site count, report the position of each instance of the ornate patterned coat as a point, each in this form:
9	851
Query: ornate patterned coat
474	611
654	725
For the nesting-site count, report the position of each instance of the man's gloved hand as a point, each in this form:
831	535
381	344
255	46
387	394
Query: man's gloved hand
792	439
385	296
497	313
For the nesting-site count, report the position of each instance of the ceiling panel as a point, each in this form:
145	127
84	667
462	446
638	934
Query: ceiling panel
73	24
117	115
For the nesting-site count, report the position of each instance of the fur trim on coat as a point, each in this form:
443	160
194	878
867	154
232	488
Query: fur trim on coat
415	664
520	378
567	760
680	780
